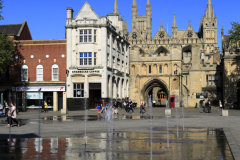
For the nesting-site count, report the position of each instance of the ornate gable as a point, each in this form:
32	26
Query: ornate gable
86	12
135	35
190	33
161	34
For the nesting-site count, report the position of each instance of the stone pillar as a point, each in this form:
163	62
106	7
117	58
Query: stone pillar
64	110
120	88
24	103
110	88
55	101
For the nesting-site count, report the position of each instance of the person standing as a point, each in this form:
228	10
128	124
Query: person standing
12	115
103	106
220	105
124	104
45	106
127	105
208	105
6	107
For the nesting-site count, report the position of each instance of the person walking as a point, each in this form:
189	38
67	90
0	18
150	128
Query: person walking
208	105
220	105
12	115
142	107
6	107
130	106
103	106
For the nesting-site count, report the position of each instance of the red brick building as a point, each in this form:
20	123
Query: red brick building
39	65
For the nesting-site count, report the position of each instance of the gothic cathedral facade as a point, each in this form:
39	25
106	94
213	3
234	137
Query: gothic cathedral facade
183	67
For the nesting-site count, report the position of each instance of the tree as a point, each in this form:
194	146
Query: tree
7	51
234	33
1	2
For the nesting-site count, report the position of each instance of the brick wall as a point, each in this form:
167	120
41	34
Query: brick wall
39	49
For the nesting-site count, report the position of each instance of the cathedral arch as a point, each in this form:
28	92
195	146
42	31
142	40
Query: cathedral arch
187	54
161	50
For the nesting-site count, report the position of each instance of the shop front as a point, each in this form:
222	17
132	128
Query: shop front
30	97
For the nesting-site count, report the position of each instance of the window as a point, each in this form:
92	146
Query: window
24	73
118	46
95	35
118	64
211	80
95	58
55	72
160	69
86	35
150	69
85	59
78	90
39	73
113	59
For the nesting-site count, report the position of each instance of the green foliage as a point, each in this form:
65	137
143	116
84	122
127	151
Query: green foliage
7	51
1	6
234	33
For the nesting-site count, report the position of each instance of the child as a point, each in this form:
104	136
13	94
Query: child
98	109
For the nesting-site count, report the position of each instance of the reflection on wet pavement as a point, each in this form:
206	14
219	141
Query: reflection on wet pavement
99	117
193	143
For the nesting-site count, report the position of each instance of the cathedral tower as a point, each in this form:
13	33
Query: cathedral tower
208	28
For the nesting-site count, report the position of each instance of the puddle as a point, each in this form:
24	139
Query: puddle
193	143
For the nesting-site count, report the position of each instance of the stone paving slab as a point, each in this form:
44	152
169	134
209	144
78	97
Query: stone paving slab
193	118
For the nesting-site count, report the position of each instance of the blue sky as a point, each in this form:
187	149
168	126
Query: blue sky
47	18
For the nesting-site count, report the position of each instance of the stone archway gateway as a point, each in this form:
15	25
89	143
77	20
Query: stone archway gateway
157	89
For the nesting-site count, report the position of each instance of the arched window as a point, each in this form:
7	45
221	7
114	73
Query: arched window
24	73
55	72
39	72
160	69
150	69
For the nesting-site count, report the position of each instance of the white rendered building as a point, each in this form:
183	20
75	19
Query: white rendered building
97	57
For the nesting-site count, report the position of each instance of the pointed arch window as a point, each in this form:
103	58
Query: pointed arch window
24	73
39	72
55	72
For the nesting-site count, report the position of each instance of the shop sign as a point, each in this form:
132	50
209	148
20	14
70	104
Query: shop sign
43	88
201	95
34	95
87	72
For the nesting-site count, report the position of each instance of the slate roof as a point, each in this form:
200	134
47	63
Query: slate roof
12	29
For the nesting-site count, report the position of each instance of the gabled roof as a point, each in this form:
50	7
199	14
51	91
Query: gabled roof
14	29
11	29
86	12
161	30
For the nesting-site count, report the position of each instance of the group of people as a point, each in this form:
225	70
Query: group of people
207	106
10	112
128	105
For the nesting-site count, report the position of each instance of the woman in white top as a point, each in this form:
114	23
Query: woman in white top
220	105
12	115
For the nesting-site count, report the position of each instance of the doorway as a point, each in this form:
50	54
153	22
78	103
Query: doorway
95	94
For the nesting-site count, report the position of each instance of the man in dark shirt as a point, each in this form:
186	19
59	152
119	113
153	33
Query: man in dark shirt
130	106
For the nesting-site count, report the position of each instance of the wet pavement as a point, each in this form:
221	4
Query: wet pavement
62	136
193	143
